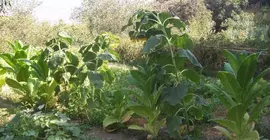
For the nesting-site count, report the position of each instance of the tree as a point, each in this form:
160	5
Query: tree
224	9
3	5
107	15
24	7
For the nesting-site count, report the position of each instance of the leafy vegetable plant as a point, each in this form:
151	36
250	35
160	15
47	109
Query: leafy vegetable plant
241	88
55	72
120	114
40	126
148	103
166	50
88	77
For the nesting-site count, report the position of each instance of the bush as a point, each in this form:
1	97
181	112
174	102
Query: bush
222	10
194	13
40	126
129	50
201	25
107	15
243	29
27	29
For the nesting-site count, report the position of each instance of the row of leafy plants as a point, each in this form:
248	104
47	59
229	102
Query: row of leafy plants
56	77
165	88
167	95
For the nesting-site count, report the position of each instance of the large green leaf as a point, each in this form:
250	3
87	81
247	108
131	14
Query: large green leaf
224	98
188	98
96	79
95	48
89	56
18	44
173	95
10	60
230	84
43	65
173	124
108	75
37	71
127	116
224	131
142	111
149	85
191	75
73	59
259	77
138	76
32	85
65	37
20	54
58	75
85	48
190	56
228	68
256	110
2	81
176	22
82	76
91	66
107	56
110	120
4	69
247	70
41	69
232	59
151	44
71	69
183	41
56	60
231	125
51	88
195	112
13	83
23	74
12	46
254	135
236	114
163	16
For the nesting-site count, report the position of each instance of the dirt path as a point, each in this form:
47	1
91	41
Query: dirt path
120	135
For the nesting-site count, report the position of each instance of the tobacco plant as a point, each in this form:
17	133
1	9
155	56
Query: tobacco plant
240	82
166	51
120	114
55	71
148	104
29	75
83	87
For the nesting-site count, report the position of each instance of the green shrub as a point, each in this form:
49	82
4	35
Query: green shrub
222	10
129	50
243	29
162	77
201	24
240	89
107	15
193	12
54	72
40	126
27	29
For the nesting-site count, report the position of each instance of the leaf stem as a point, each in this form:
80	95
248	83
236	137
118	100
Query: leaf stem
186	117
